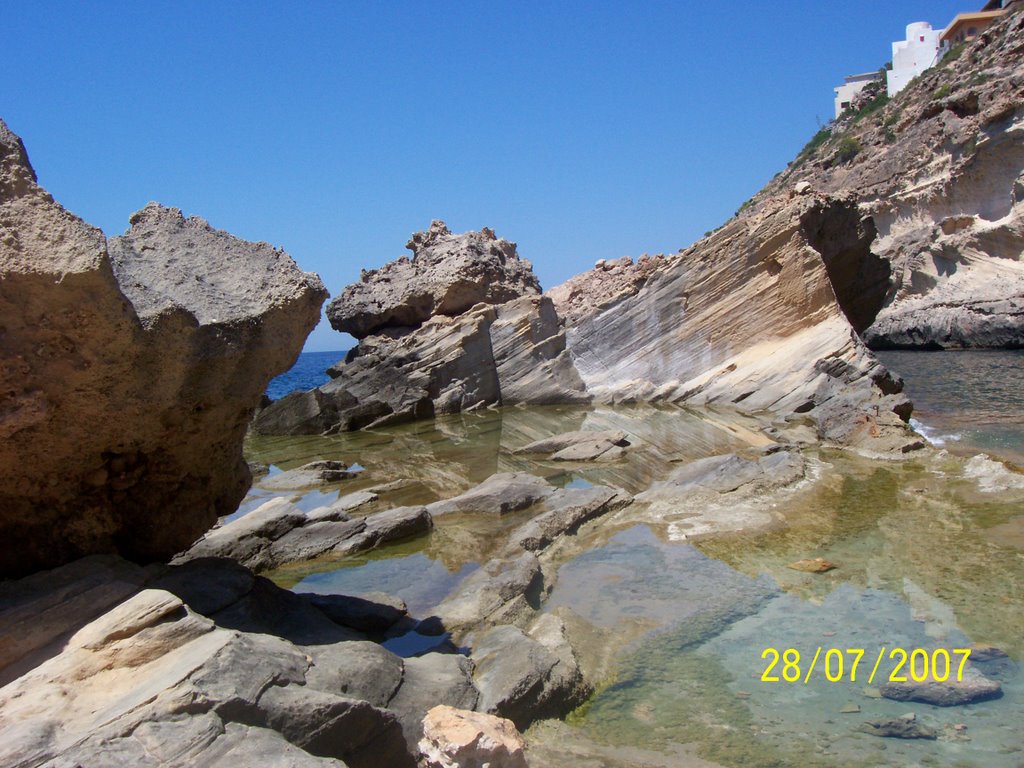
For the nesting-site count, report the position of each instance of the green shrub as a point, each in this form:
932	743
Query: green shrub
848	149
942	92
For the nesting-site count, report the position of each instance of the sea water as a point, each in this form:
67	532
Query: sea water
930	554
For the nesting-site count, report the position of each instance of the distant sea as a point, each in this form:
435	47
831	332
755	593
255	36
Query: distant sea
308	372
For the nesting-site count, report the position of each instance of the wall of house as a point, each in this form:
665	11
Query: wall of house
912	56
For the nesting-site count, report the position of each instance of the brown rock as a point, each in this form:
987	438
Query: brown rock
455	738
130	371
813	565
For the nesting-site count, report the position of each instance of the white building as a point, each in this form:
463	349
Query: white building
912	56
852	85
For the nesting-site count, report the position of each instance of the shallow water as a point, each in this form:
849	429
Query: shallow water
930	553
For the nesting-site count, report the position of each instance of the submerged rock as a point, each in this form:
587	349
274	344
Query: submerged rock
812	565
905	727
584	445
973	687
131	369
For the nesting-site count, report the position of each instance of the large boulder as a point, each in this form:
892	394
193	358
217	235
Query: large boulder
447	275
131	369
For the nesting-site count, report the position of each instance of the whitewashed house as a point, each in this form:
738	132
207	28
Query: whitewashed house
852	85
912	56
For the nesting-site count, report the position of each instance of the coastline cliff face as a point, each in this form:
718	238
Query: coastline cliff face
939	170
130	371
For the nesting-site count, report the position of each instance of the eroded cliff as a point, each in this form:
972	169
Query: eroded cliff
130	371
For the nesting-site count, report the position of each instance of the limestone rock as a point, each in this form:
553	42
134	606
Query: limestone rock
803	272
131	369
447	275
455	738
490	589
310	475
607	284
813	565
940	177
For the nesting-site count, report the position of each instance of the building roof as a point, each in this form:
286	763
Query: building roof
963	19
876	75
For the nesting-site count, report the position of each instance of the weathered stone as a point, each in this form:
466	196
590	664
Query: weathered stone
812	565
430	680
972	688
455	738
905	727
584	445
308	476
499	494
490	588
356	669
522	679
362	735
131	369
339	509
568	509
447	275
207	585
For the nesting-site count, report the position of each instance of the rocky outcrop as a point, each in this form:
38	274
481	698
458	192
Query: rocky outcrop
761	316
940	169
447	275
606	284
460	326
278	532
202	664
130	371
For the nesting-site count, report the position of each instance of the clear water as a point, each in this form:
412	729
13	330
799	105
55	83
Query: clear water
930	553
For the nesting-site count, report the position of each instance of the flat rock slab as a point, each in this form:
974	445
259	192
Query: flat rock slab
499	494
972	688
567	510
486	591
311	475
339	509
358	669
581	445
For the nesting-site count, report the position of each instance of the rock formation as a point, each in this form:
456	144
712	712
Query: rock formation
940	170
460	326
130	370
447	275
762	315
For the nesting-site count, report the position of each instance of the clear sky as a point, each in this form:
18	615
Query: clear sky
580	130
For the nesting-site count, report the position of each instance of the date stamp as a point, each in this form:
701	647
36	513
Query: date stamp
839	664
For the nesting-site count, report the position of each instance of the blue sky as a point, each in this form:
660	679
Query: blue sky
579	130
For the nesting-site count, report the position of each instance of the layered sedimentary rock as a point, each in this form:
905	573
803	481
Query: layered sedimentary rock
130	370
940	169
762	315
460	326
